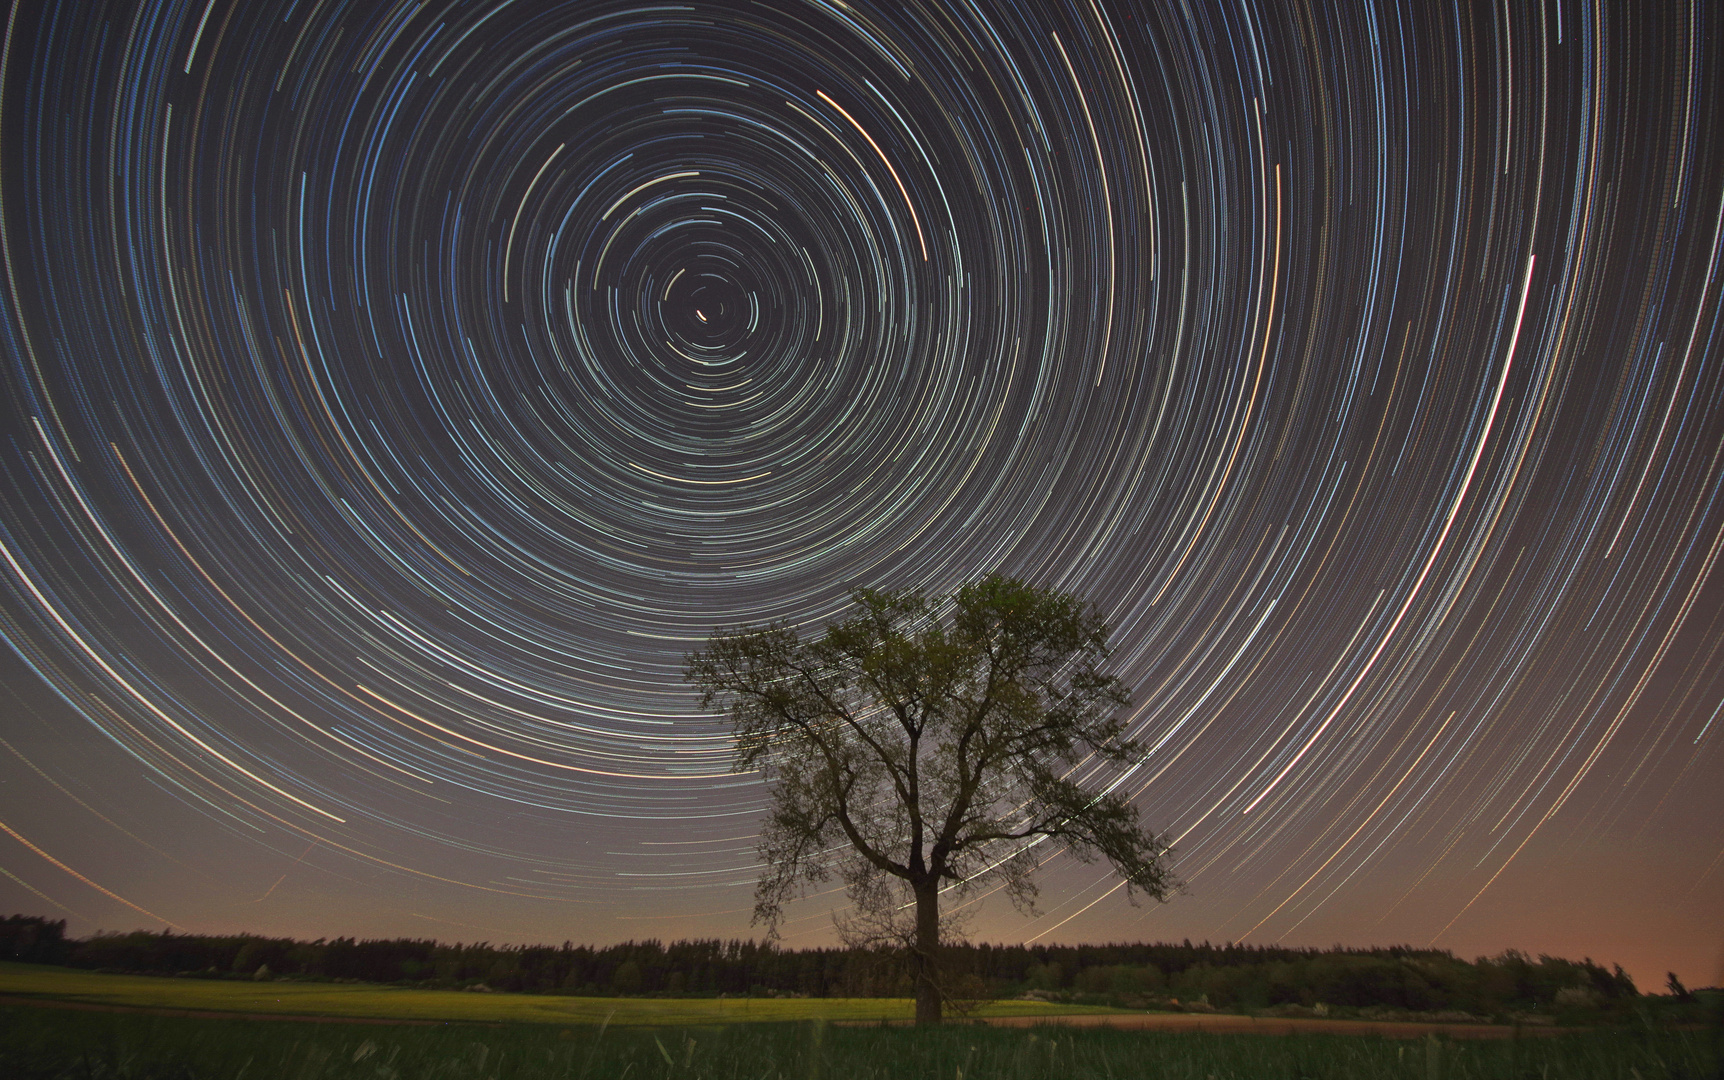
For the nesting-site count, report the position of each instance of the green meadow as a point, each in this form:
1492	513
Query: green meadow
372	1001
476	1036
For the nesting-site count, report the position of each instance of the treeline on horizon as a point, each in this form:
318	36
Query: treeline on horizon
1178	976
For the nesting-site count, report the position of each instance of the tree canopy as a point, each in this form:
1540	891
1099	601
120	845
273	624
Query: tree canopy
929	744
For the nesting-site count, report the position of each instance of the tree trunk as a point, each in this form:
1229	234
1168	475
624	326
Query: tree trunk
925	954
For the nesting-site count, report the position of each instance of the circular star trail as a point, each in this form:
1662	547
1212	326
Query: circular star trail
397	391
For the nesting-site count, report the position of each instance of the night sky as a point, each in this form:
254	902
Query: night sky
396	392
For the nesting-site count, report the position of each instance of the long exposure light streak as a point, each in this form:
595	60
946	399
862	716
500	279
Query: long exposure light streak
396	393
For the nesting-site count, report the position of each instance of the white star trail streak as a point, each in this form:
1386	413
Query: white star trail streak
396	393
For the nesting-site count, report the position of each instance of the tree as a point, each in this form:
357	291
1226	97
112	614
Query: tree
925	745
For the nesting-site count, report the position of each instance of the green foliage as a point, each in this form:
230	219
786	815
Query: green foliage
1120	980
1376	979
684	967
627	979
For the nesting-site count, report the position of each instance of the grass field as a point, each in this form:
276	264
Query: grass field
39	1043
367	1000
525	1037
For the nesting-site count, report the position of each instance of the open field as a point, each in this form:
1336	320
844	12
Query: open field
59	1023
61	1044
348	1000
22	984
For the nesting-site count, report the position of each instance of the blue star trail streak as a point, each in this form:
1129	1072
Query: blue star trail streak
396	391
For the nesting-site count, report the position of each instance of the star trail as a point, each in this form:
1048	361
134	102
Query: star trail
397	391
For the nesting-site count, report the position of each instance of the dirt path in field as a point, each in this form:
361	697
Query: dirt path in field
1221	1024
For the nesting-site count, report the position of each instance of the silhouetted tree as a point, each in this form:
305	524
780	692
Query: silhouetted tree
936	738
34	940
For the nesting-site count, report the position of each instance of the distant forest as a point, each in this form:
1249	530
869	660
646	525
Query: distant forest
1200	977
